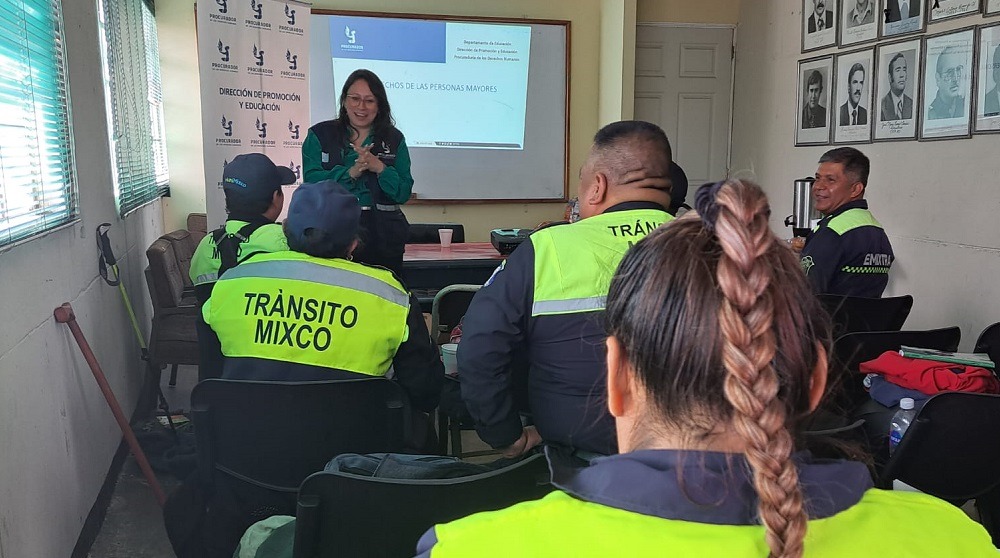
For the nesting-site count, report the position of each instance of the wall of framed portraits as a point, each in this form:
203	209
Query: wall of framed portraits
914	85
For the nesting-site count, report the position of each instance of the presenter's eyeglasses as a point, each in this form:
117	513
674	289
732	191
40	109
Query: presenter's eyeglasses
358	100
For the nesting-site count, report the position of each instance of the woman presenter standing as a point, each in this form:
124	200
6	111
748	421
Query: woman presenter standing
362	150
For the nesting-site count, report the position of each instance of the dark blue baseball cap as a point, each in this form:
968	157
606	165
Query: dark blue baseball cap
326	207
252	178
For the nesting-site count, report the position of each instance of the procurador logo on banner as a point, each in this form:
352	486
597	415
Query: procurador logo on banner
254	93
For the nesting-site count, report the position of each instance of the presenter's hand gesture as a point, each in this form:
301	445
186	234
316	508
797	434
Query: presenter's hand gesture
370	161
362	163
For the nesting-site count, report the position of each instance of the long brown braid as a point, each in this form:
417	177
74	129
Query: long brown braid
719	325
748	349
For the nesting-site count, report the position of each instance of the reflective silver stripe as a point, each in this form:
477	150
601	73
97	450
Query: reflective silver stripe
568	306
384	207
206	278
316	273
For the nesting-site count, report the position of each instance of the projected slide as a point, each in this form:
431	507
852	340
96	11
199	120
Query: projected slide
449	84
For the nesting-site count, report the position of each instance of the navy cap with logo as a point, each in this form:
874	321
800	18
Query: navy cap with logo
252	179
324	207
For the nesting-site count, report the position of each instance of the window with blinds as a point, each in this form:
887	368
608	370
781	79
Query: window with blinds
135	102
37	183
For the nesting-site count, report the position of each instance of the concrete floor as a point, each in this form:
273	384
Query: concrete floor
133	526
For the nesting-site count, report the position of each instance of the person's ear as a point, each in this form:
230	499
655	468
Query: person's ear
818	378
278	198
598	191
621	398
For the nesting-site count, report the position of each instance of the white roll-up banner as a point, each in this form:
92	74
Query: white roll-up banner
253	60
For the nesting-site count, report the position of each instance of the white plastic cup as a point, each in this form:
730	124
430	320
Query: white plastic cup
449	356
445	236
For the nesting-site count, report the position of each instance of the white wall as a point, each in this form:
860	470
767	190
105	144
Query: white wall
937	200
56	433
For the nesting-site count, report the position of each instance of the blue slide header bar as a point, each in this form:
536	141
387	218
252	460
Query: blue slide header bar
369	38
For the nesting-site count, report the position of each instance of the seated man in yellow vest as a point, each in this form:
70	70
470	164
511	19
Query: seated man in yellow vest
547	302
313	314
252	185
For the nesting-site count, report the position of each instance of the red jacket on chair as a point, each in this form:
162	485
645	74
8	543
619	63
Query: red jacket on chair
931	376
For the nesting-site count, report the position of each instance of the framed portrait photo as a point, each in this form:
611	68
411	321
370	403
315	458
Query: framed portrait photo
852	97
987	118
859	21
896	79
947	72
902	17
812	125
991	8
940	10
819	24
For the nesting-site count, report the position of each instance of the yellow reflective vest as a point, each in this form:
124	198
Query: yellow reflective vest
292	307
883	524
570	281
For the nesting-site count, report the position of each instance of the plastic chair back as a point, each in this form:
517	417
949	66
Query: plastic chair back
989	342
850	350
340	514
275	434
951	449
853	313
427	233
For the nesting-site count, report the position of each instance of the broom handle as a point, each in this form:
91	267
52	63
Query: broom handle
64	315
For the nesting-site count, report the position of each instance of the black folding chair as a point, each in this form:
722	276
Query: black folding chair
989	342
850	350
427	233
449	306
340	514
952	450
257	441
853	313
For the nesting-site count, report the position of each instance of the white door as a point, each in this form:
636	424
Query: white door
683	82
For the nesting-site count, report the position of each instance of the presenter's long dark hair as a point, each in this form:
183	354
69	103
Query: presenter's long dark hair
383	120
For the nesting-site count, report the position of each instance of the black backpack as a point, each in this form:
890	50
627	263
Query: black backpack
228	246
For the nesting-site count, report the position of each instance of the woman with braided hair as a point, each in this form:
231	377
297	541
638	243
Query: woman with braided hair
717	351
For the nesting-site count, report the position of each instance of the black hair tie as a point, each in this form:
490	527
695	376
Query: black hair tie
705	203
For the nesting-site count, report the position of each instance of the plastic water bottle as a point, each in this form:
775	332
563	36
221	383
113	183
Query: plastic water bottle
900	422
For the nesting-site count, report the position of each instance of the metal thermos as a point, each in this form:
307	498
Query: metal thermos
802	215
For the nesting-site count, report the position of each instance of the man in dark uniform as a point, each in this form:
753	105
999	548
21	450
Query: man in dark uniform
546	302
848	252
